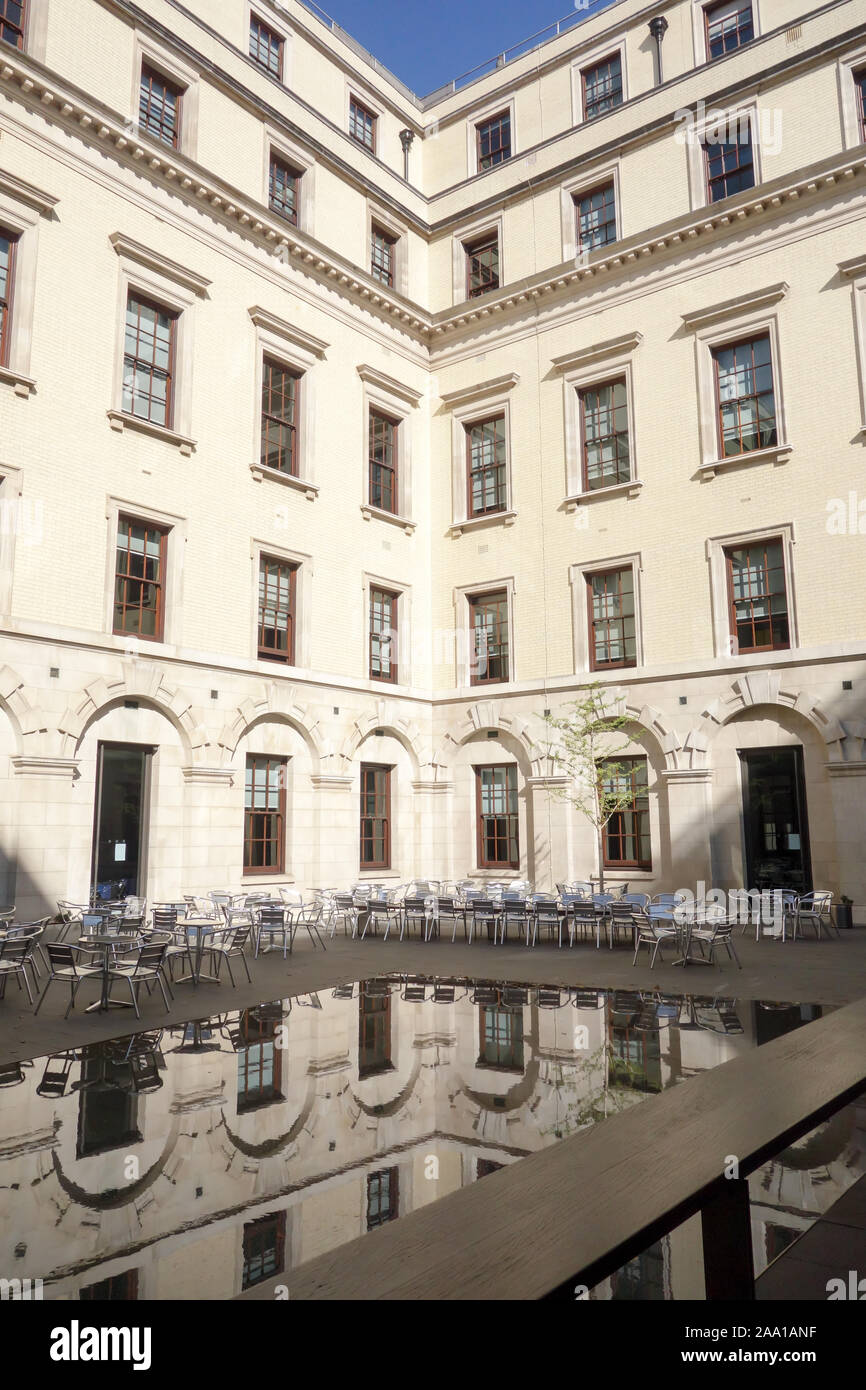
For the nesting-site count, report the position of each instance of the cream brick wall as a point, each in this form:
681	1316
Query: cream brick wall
322	715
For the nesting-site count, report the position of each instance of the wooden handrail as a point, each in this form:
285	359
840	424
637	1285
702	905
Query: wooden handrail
576	1212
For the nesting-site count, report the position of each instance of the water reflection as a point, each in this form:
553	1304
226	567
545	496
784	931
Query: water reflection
201	1160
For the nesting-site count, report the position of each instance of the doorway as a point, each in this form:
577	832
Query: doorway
774	819
121	817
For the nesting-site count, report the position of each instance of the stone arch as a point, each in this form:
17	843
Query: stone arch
527	733
654	722
763	688
387	718
24	717
277	702
142	681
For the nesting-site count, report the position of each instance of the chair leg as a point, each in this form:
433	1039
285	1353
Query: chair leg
132	991
42	996
161	983
23	972
73	990
246	967
231	972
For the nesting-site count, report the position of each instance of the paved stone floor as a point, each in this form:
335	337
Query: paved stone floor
806	971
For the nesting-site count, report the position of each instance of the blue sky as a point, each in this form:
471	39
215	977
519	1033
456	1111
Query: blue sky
427	44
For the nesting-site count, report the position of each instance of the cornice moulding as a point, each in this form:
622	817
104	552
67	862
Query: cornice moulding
271	323
465	394
389	384
22	192
611	347
740	304
142	255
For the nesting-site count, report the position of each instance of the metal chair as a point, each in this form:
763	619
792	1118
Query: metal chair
147	970
514	912
545	916
272	922
228	945
55	1076
309	918
64	967
652	932
815	910
718	932
15	953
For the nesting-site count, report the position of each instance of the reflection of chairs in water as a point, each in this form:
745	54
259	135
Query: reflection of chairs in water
485	993
548	998
716	1015
647	1018
55	1077
445	991
378	987
344	991
414	989
13	1073
514	997
587	998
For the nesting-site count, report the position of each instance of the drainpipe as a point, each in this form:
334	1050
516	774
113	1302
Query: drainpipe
406	138
658	28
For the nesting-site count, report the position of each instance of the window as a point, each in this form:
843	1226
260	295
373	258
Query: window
383	1197
595	211
485	1166
276	625
265	815
744	396
496	809
362	124
729	162
107	1108
627	834
758	598
493	141
485	459
117	1288
259	1061
7	275
728	26
283	190
264	1248
501	1044
375	816
612	642
382	460
382	246
482	265
602	87
266	47
280	414
604	435
139	579
383	635
159	107
12	16
148	361
488	615
860	92
374	1032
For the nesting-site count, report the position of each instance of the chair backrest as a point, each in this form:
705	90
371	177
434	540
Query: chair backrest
818	901
238	916
291	897
150	957
582	887
235	940
602	899
636	899
271	916
60	956
164	917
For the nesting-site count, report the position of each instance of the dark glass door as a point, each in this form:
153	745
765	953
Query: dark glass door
120	829
774	819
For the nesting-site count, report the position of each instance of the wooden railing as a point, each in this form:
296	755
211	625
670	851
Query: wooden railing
576	1212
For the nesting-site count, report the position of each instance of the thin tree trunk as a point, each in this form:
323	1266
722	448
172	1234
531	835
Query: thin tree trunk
601	859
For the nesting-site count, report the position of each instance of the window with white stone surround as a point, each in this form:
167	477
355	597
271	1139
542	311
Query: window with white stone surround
601	458
22	208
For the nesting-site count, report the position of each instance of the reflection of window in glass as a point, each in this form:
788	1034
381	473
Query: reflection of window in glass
383	635
264	1248
729	162
758	597
602	87
139	579
482	265
485	462
627	834
375	816
488	615
259	1062
745	399
604	435
496	809
729	26
265	815
148	361
493	141
610	594
501	1038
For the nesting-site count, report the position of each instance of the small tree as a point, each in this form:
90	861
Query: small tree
599	785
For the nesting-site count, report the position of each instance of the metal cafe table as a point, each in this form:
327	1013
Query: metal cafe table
107	945
200	928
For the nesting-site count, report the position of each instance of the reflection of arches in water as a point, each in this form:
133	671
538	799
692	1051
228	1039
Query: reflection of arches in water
269	1148
517	1095
822	1147
117	1197
391	1107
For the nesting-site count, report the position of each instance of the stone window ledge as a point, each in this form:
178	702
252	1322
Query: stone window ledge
259	472
779	453
120	421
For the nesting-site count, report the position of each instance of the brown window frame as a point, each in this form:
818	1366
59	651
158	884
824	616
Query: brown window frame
268	564
127	578
712	181
19	29
150	73
117	1288
512	831
512	1049
593	388
279	838
144	302
586	72
273	1222
708	11
609	862
258	1032
387	469
357	107
859	78
293	176
273	36
393	1209
272	417
588	243
373	770
773	646
393	599
495	154
500	469
374	1033
471	249
7	304
594	664
477	603
383	272
753	395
